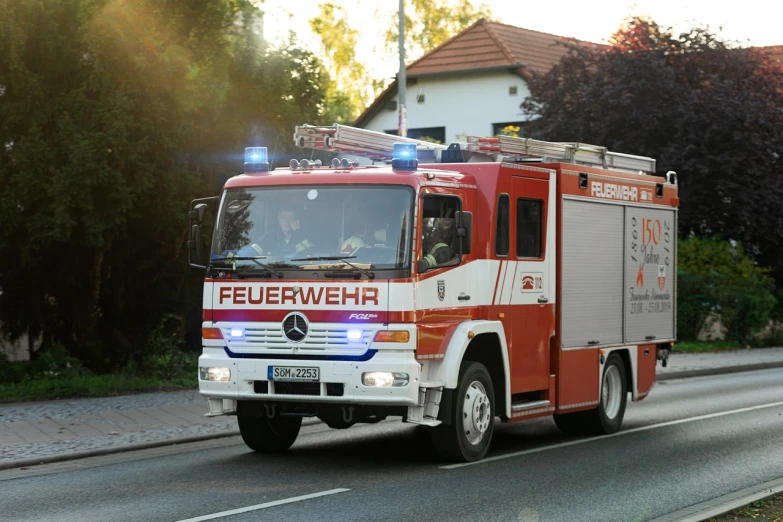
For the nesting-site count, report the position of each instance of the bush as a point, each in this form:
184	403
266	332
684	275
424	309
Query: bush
718	277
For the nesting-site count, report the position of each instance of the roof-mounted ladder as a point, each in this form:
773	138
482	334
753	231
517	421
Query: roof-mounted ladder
351	140
580	153
375	145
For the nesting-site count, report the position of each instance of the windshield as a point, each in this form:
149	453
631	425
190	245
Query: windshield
284	227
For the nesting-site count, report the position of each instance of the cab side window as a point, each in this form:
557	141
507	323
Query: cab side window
439	230
501	228
529	227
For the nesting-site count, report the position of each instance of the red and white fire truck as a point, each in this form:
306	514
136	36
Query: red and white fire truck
450	285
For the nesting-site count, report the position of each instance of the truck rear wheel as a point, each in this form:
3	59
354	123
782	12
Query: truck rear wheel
469	435
608	417
267	435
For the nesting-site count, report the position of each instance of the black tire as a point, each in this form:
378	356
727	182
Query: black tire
571	423
452	441
598	421
267	435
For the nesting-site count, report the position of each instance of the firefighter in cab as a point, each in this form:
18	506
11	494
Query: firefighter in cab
287	239
437	241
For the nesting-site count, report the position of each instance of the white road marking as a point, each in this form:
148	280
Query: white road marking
265	505
618	434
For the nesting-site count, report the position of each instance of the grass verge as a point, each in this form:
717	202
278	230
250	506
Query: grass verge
706	346
770	508
48	388
55	375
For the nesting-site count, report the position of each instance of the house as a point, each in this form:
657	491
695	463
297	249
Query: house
474	83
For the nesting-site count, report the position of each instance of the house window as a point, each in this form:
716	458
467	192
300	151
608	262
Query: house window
501	227
529	227
509	128
419	98
434	134
512	91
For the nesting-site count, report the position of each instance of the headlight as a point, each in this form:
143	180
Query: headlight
215	374
385	379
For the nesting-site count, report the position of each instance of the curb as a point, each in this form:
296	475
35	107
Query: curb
703	372
721	505
49	459
198	438
99	452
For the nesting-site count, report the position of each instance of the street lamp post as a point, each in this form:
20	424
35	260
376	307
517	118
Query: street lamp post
401	81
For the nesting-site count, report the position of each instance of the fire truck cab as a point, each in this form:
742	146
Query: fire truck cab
494	278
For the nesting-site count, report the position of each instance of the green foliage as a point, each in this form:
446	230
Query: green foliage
348	90
702	107
718	277
706	346
113	116
429	23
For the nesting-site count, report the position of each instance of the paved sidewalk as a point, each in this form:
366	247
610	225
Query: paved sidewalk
59	430
695	364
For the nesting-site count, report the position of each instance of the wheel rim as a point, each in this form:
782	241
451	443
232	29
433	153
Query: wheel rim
611	392
476	412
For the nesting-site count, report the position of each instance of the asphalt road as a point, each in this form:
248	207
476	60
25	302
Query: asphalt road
692	440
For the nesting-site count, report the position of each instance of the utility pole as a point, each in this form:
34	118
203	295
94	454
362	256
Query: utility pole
403	125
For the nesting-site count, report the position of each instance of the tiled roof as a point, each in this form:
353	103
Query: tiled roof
491	44
775	52
485	45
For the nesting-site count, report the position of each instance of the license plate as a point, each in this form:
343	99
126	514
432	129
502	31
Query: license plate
293	373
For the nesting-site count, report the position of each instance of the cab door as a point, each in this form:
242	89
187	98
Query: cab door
532	285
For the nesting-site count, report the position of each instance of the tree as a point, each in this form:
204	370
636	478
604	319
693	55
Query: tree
429	23
348	91
703	107
114	114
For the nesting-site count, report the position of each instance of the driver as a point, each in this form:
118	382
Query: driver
288	238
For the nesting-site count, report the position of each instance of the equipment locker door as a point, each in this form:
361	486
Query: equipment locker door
532	289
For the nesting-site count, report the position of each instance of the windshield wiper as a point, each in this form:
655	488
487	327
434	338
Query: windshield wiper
370	275
254	259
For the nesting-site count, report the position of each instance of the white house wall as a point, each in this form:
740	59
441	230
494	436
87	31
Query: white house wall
462	104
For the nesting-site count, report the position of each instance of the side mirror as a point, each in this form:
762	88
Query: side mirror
464	231
197	257
422	266
196	247
197	214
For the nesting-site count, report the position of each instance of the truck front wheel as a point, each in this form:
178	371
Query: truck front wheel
469	435
267	435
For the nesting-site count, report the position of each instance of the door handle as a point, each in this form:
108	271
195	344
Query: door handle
464	298
543	300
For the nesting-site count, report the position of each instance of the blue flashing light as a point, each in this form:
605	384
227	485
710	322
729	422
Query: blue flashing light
237	333
355	335
404	150
256	160
404	156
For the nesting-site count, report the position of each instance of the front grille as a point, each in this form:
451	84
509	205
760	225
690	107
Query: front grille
333	389
318	338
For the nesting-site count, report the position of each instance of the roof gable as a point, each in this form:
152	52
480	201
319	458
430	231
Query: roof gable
493	45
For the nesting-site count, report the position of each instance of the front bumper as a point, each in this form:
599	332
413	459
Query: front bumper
340	381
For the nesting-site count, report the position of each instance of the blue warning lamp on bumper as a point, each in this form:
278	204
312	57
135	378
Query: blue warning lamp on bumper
256	160
405	157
